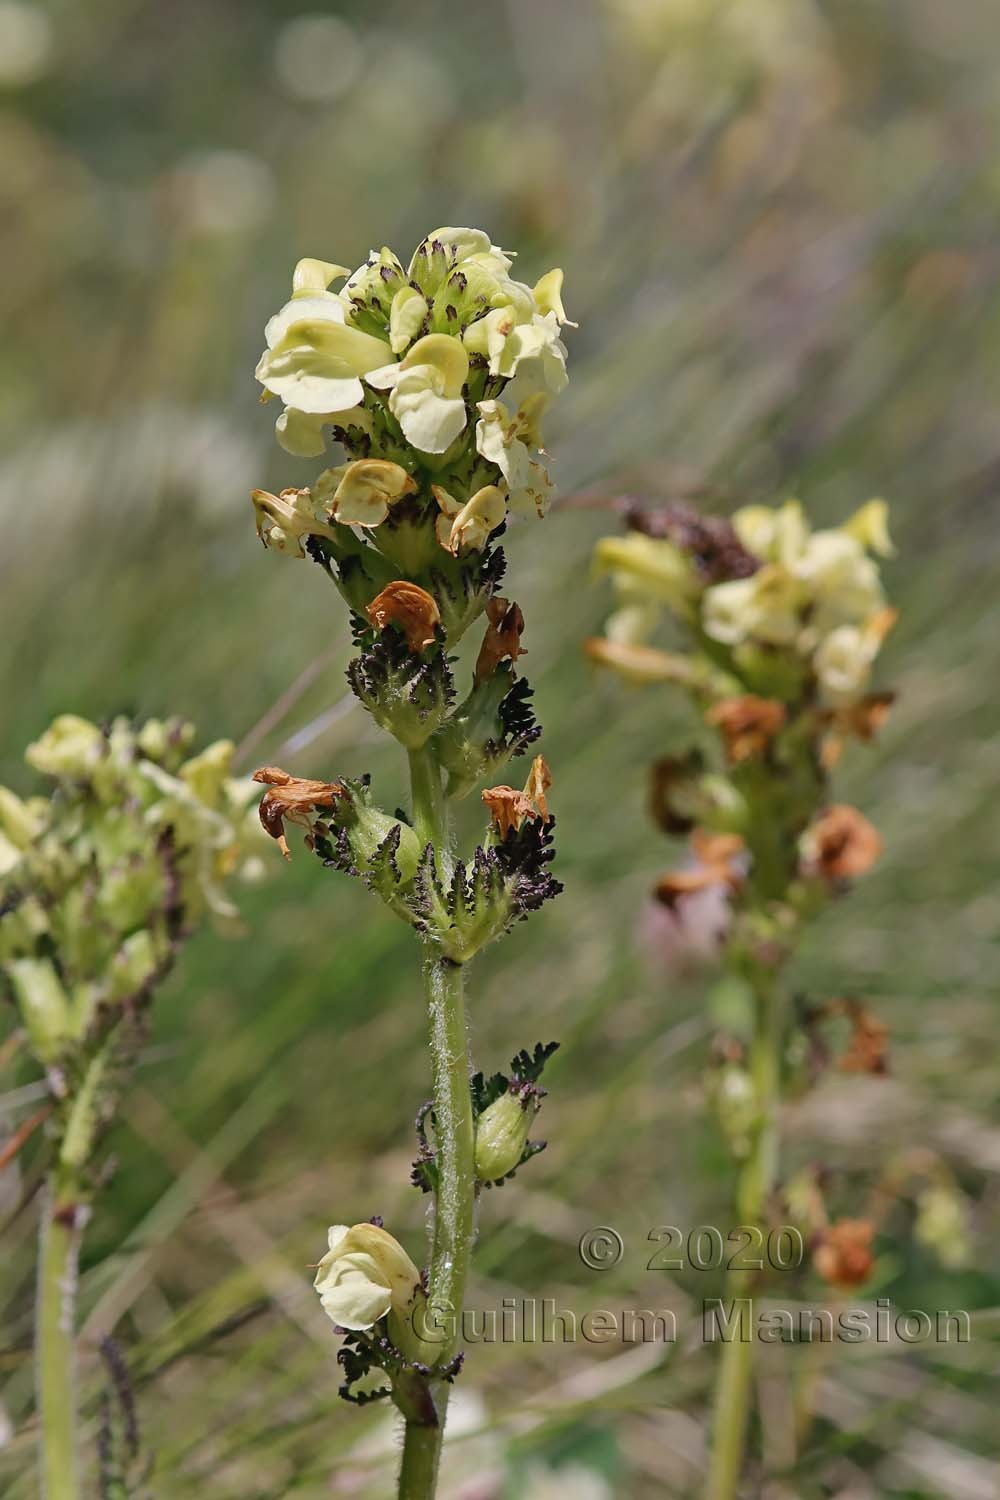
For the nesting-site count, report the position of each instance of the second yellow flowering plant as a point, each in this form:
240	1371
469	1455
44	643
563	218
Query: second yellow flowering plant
781	626
433	379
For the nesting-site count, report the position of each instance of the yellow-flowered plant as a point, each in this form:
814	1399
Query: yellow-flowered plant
781	626
434	381
102	878
406	370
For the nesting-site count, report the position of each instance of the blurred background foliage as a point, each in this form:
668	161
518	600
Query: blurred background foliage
778	221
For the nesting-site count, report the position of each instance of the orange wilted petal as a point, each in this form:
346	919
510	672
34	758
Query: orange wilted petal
292	799
747	723
502	641
509	807
844	1255
715	855
842	844
410	607
868	1048
538	783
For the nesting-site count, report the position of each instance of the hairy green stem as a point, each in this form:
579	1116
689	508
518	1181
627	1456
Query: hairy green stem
55	1346
421	1456
454	1139
757	1182
430	810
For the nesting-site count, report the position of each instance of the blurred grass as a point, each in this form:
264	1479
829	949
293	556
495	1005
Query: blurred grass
779	227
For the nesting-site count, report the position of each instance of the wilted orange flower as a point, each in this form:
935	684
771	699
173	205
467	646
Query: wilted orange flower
715	855
863	720
844	1255
748	724
842	844
868	1048
410	607
538	782
292	799
508	807
502	640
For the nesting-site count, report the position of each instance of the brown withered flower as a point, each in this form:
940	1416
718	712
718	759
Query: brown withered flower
868	1047
747	724
508	807
862	720
502	641
715	857
841	844
294	800
843	1255
538	783
410	607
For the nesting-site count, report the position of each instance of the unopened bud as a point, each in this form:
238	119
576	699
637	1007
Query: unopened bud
502	1133
368	827
69	747
44	1006
941	1224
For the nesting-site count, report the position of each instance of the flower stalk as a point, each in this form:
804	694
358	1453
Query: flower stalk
433	380
55	1346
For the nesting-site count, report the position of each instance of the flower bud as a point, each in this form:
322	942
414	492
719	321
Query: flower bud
207	774
870	526
20	822
651	567
44	1006
502	1133
71	746
165	740
134	965
364	1273
942	1225
732	1093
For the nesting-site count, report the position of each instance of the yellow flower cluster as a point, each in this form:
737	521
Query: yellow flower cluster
812	601
441	372
129	853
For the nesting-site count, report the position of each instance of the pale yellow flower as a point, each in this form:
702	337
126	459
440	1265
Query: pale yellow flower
285	520
774	534
313	359
366	489
408	311
648	569
500	438
870	526
468	525
426	391
507	341
301	433
365	1273
765	607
